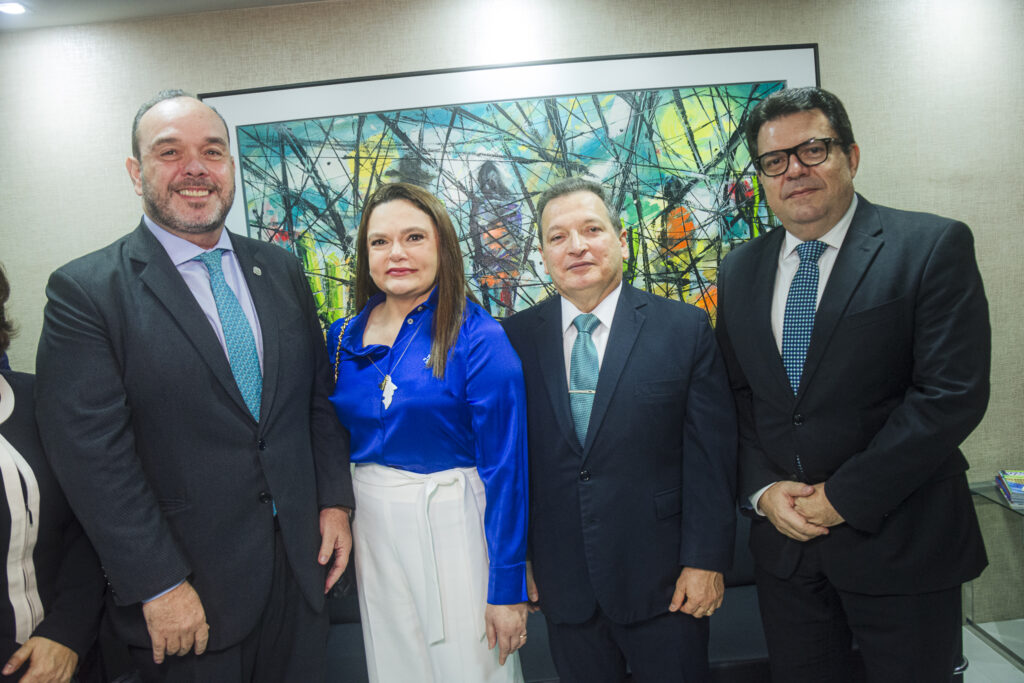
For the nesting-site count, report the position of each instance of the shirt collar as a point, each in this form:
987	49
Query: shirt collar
179	249
352	341
833	238
605	311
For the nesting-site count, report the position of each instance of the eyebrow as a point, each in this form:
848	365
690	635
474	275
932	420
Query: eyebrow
401	231
170	139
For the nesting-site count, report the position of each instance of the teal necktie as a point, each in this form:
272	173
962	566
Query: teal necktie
798	322
238	336
583	371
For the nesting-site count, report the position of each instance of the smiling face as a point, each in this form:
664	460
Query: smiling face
581	249
185	173
401	245
808	200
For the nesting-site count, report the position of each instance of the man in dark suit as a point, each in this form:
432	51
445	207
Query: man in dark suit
182	385
858	345
632	447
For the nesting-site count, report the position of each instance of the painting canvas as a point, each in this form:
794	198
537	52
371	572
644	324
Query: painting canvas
672	157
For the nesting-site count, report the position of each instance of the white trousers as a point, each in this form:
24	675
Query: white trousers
421	566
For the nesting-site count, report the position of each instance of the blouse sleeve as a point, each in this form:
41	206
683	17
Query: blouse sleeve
496	396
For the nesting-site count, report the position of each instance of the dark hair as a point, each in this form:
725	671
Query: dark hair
568	186
451	277
6	327
794	101
152	102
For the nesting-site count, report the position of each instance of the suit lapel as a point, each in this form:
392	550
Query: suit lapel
257	277
762	292
551	361
859	249
166	284
625	327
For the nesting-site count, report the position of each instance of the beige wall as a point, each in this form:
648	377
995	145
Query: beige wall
934	89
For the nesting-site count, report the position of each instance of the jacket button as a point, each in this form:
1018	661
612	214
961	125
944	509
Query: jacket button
261	444
798	419
265	497
585	475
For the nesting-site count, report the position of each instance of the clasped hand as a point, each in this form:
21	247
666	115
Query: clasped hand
799	511
506	628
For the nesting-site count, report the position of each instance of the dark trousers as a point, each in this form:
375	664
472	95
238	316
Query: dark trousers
288	645
810	626
670	648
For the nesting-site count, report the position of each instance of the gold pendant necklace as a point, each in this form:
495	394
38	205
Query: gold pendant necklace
387	386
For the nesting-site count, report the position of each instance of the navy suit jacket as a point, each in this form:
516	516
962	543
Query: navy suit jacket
146	429
896	377
67	572
653	488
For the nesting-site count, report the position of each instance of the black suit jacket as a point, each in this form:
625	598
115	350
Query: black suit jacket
896	377
146	429
67	572
652	490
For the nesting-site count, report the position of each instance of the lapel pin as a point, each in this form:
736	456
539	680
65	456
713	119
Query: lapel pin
256	271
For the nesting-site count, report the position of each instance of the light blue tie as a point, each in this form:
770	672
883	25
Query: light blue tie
800	306
583	371
238	336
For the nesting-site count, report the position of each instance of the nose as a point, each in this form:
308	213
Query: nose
576	242
397	252
194	166
795	169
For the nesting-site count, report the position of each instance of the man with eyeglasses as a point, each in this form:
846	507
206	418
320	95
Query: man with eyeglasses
858	347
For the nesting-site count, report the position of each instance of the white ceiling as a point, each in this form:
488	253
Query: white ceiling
42	13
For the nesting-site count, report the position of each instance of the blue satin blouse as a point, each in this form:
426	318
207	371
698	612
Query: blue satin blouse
474	417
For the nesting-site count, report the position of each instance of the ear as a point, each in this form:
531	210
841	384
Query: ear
854	157
135	172
540	250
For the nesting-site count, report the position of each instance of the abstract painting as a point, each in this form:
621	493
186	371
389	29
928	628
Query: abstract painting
673	161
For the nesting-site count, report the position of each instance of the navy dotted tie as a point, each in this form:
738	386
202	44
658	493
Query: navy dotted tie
238	337
583	371
800	306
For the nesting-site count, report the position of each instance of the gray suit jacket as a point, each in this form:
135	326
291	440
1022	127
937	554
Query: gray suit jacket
149	435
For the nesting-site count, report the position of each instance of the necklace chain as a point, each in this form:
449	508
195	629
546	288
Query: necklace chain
387	386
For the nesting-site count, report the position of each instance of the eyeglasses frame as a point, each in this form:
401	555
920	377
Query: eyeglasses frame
792	151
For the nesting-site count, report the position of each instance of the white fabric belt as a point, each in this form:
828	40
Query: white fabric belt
427	487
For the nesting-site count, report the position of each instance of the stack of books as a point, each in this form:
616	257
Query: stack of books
1011	484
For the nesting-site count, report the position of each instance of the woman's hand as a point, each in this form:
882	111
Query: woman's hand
49	661
506	627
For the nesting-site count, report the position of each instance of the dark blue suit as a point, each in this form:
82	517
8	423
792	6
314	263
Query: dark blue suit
896	377
652	490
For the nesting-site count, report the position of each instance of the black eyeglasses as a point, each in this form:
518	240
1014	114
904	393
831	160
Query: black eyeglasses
810	153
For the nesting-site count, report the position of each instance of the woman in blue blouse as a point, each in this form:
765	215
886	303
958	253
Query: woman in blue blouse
432	394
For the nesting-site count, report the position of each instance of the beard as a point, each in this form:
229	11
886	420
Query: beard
158	206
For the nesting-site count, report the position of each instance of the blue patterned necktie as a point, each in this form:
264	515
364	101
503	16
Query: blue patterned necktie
583	371
238	336
799	318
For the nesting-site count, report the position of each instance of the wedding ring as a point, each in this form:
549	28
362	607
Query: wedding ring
522	637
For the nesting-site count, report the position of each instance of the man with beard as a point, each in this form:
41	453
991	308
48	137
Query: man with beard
182	383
